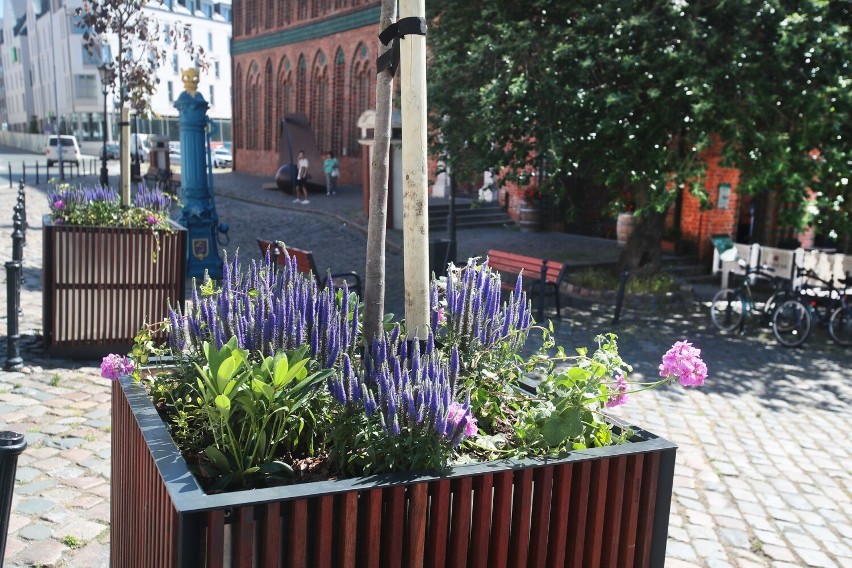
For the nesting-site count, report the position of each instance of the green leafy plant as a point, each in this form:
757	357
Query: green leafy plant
272	376
606	279
71	541
566	411
100	207
254	409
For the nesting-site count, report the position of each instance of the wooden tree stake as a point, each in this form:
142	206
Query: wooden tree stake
414	175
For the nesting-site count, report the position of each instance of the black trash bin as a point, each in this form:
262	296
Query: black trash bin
11	445
441	253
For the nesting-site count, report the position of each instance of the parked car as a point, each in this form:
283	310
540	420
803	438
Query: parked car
222	158
139	143
113	151
70	150
174	152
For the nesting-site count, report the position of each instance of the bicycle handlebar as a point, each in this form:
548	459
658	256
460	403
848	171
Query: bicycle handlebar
811	275
763	269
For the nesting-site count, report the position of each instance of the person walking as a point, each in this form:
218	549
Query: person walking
332	172
302	179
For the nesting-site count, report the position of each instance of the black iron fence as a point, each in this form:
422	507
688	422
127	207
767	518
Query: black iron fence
14	278
35	172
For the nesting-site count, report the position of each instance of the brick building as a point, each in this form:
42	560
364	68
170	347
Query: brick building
746	219
316	57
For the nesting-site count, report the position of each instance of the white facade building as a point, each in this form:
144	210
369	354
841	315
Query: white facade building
211	29
14	53
47	69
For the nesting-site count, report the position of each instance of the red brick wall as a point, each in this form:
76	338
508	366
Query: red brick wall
696	226
516	197
347	90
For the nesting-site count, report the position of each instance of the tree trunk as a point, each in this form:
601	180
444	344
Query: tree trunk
374	273
642	255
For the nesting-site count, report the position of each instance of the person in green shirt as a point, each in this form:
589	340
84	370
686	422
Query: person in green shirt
332	172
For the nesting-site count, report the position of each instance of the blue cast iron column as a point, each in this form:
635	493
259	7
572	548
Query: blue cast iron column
199	209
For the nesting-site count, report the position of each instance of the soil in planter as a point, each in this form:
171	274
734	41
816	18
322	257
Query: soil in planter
306	469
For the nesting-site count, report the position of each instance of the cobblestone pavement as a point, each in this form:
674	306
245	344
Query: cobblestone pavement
762	477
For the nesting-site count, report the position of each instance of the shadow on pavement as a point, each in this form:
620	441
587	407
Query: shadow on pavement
814	376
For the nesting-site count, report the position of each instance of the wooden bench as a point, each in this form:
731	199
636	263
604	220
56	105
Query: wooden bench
540	276
305	263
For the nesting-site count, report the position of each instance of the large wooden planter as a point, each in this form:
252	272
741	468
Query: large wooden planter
100	285
601	507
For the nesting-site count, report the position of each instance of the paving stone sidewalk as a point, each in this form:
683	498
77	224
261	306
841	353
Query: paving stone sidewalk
763	473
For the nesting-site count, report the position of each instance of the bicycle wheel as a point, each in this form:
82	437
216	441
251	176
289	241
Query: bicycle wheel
840	325
771	305
791	323
727	309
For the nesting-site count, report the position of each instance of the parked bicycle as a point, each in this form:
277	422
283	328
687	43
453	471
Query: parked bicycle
730	305
821	304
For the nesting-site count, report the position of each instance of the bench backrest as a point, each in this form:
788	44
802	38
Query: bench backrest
513	264
304	258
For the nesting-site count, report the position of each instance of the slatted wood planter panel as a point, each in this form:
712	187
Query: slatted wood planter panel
101	284
602	507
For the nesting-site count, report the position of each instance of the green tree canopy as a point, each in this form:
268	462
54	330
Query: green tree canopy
628	94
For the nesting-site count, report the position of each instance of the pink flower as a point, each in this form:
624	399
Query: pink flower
58	221
684	362
458	414
619	390
152	220
113	366
59	205
441	315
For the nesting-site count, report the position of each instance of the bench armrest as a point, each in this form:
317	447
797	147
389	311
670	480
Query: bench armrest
353	281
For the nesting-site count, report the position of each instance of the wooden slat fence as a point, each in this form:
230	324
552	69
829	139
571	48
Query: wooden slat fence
102	284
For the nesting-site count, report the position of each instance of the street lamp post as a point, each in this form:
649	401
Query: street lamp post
107	71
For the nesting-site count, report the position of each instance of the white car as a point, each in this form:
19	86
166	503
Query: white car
70	150
222	158
174	152
139	144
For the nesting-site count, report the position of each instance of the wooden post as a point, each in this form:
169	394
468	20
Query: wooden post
414	176
124	187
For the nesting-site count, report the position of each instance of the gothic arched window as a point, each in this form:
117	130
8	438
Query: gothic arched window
285	94
301	85
269	107
337	110
239	113
319	100
361	87
252	106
